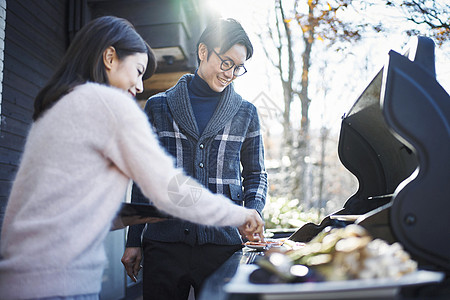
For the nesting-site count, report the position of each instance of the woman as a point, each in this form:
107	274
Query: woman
88	139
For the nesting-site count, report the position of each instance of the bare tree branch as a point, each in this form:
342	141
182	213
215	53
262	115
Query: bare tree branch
267	53
433	14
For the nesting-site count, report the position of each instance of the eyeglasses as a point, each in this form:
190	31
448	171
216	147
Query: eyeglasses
228	64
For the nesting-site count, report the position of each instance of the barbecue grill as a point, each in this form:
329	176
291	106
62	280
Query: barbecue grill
396	141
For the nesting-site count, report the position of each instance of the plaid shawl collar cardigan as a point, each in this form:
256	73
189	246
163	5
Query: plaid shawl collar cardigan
232	132
180	106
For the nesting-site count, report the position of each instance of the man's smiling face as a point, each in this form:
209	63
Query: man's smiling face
209	69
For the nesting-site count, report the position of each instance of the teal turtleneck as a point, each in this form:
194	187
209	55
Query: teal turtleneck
203	101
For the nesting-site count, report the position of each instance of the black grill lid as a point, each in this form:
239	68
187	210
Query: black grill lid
370	151
370	147
396	141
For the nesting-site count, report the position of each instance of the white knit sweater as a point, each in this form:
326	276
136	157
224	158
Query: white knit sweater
77	163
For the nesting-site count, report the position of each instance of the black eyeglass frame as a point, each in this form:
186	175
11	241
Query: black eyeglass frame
236	67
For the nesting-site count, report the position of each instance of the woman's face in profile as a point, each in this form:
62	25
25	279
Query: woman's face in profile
126	74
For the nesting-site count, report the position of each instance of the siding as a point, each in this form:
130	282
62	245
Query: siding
35	40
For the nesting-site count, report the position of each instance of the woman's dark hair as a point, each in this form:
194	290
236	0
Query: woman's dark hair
224	33
83	60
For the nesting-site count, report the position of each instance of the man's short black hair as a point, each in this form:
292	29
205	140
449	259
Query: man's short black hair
224	33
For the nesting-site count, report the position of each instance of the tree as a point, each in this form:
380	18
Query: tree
299	24
433	14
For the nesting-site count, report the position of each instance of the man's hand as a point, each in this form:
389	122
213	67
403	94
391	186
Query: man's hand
131	260
253	227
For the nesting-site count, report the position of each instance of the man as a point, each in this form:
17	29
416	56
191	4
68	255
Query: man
211	131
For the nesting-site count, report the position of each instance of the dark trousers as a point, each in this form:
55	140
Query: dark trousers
170	269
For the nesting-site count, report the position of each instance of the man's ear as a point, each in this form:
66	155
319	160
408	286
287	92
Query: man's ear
109	55
202	52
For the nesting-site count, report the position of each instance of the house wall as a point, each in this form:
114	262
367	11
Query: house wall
2	46
35	39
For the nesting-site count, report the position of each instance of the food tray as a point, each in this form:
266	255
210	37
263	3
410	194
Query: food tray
349	289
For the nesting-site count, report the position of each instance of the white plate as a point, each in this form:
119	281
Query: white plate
348	289
259	248
265	247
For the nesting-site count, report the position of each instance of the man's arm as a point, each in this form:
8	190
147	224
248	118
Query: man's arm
135	231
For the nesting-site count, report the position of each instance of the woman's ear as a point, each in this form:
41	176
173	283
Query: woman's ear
202	52
109	56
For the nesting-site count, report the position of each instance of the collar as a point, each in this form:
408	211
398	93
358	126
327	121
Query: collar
200	88
180	106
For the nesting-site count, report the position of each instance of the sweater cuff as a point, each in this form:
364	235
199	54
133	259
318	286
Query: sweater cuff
134	236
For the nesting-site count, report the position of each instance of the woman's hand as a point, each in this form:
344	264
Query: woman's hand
253	227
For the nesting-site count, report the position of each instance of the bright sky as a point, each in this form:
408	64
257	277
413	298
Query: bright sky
343	80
